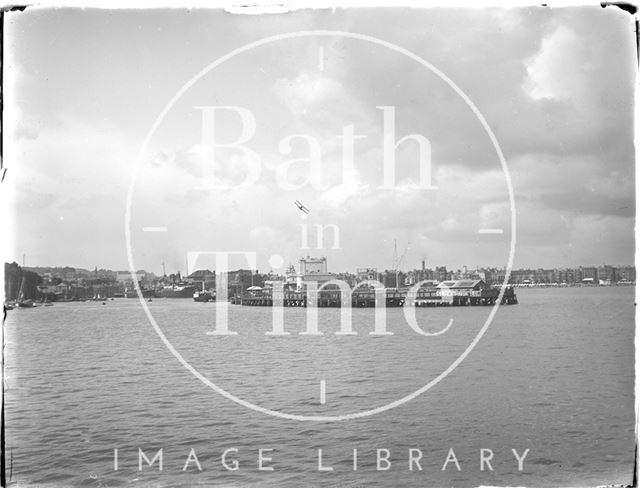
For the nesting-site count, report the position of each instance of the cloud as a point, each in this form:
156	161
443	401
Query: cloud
321	106
556	71
338	195
72	159
307	91
574	185
556	91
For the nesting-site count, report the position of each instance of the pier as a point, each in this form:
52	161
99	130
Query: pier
393	298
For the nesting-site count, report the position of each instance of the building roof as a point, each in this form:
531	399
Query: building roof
446	284
460	284
429	283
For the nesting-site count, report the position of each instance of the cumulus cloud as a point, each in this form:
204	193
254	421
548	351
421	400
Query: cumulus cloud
339	194
557	70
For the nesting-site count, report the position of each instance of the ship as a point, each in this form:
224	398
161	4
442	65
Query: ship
146	293
179	290
204	296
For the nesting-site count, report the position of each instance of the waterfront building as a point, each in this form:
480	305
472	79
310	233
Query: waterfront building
521	276
492	276
544	276
291	277
442	274
626	273
124	277
589	273
241	279
313	269
607	274
203	277
466	274
394	279
364	274
416	275
311	265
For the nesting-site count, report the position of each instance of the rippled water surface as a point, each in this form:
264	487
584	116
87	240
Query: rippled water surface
553	374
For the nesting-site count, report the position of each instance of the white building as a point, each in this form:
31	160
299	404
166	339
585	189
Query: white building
125	276
312	269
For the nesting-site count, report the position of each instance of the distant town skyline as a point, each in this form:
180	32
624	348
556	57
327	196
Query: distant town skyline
83	88
337	271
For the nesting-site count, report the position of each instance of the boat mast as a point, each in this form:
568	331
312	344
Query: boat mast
394	264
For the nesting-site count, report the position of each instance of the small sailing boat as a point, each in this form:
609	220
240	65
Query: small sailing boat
22	302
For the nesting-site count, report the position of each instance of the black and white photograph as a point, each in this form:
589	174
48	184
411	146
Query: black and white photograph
344	246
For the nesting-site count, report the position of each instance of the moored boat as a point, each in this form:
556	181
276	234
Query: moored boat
22	301
176	291
204	296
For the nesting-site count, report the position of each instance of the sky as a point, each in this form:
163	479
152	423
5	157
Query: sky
83	89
